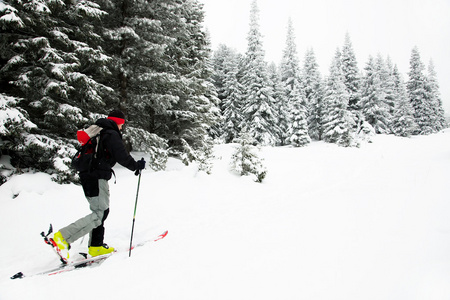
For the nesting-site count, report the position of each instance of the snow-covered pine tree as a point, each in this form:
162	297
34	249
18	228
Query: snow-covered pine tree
351	73
14	125
439	115
245	160
225	77
197	109
260	115
313	87
162	73
372	102
137	34
298	130
232	102
280	103
419	94
221	63
384	70
403	123
295	96
364	131
14	121
52	59
338	124
51	55
389	87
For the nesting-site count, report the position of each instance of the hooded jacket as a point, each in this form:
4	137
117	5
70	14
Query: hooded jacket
110	151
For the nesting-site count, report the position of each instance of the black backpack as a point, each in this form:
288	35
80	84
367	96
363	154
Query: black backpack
86	158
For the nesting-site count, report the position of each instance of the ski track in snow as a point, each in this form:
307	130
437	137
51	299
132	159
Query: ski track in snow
326	223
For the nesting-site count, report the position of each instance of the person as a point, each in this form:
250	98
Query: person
95	186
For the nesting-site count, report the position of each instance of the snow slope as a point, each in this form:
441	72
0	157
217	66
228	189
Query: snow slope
327	223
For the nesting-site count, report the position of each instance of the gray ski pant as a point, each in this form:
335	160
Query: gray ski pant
98	205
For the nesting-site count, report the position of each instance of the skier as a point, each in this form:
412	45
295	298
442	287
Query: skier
95	186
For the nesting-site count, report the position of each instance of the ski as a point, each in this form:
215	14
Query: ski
87	261
67	267
51	243
159	237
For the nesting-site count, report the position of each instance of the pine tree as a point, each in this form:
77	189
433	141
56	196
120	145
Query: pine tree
162	72
373	95
280	105
364	131
53	60
232	100
439	115
338	124
403	123
51	56
245	160
298	131
221	66
383	69
225	77
260	115
389	88
137	35
351	73
313	87
77	60
14	126
295	97
197	110
419	94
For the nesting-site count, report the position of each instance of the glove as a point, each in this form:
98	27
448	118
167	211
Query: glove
140	166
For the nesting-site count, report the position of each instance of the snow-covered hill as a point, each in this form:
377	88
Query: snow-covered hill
326	223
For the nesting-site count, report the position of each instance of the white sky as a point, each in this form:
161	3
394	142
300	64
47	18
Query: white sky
388	27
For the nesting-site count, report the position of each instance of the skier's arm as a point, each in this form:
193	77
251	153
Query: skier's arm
120	154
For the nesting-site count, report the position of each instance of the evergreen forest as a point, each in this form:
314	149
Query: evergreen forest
64	64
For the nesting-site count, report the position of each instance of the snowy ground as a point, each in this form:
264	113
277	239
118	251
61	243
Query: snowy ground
327	223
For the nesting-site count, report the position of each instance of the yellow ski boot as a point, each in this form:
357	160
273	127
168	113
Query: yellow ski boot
61	246
100	250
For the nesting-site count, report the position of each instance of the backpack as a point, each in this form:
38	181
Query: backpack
86	157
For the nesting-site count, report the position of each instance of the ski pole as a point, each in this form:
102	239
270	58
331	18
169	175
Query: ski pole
134	215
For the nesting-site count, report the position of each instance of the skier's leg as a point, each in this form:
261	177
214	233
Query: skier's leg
98	205
97	234
102	204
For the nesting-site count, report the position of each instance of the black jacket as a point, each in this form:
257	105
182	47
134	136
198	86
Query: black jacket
110	151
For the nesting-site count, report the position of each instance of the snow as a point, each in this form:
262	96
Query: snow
328	222
10	115
10	15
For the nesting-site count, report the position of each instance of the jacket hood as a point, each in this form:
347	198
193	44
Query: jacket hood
107	124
